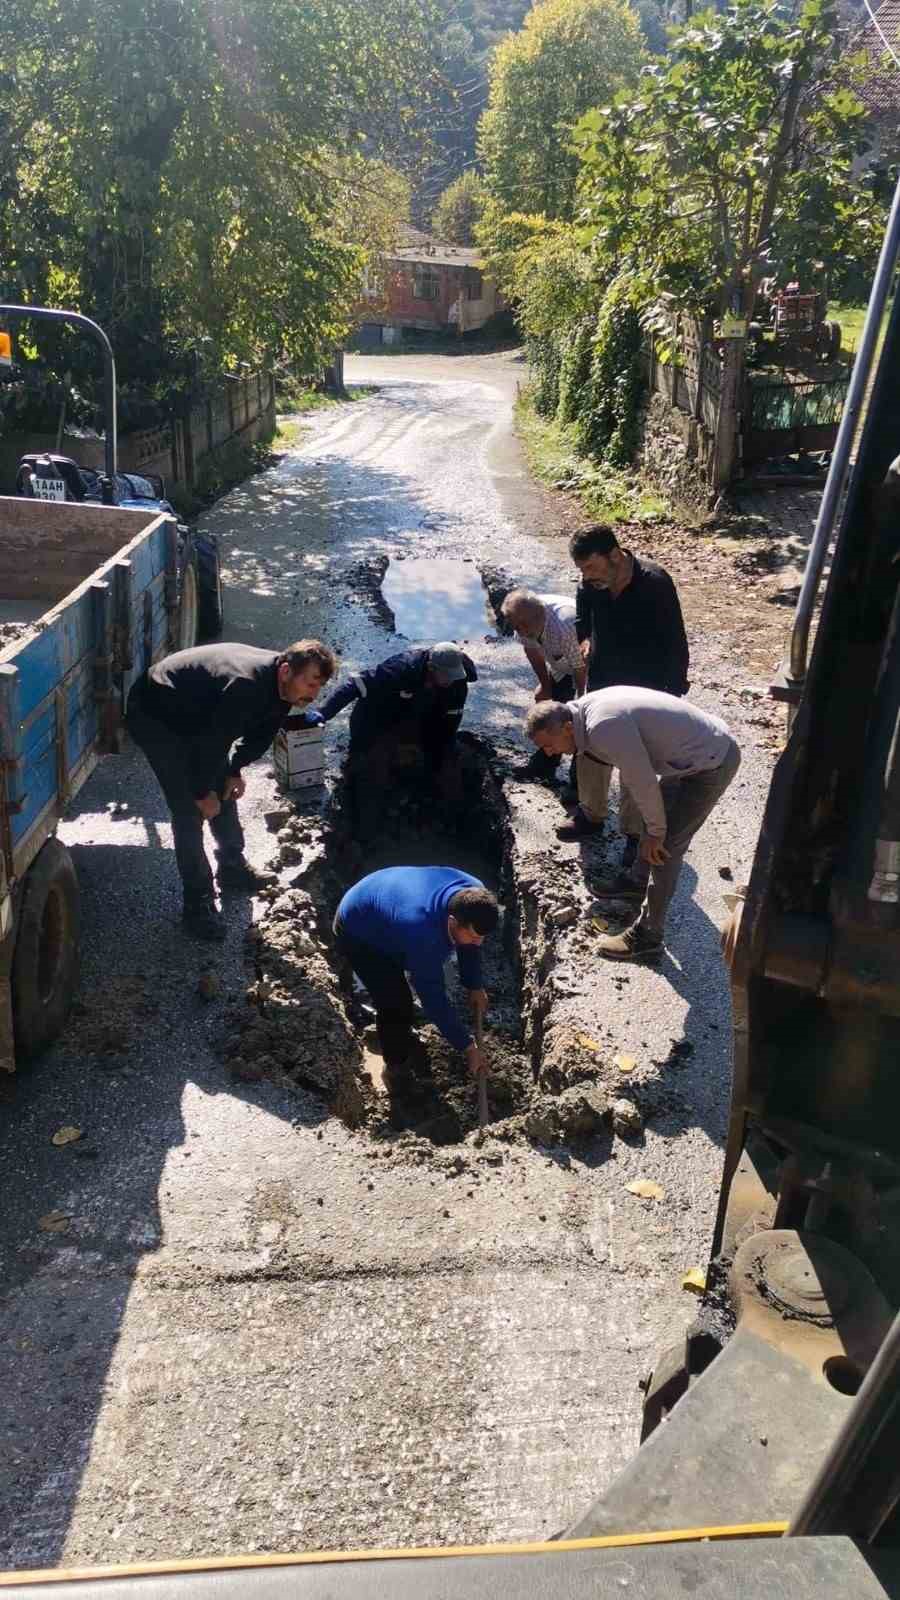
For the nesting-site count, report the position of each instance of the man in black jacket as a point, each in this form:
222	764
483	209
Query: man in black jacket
200	716
415	697
628	619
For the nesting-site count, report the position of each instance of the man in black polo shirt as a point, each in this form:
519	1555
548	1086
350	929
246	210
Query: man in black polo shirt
200	716
628	619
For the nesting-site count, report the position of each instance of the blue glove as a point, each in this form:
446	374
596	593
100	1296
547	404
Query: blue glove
312	718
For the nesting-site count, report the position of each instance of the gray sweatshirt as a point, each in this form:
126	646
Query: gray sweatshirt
647	734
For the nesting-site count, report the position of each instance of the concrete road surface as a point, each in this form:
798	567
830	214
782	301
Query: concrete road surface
252	1332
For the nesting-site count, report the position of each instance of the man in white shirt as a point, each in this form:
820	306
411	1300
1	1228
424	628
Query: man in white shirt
545	627
676	760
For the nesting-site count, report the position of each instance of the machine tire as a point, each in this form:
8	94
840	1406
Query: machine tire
834	340
189	606
46	957
210	612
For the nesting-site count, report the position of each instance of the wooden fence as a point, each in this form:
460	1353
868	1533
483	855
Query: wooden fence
697	382
731	420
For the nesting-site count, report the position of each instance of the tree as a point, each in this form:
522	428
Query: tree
736	159
185	168
569	56
459	209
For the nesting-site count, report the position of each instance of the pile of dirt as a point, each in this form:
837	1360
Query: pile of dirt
360	585
15	632
294	1023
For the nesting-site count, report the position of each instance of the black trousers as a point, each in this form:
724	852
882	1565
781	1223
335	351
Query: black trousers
387	984
169	756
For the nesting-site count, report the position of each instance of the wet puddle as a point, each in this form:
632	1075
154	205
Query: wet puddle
436	599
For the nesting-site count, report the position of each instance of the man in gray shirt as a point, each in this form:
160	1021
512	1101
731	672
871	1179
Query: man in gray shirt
676	760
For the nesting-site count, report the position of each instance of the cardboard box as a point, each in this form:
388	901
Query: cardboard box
299	757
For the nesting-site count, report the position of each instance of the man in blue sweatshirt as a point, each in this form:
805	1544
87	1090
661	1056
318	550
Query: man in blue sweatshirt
409	920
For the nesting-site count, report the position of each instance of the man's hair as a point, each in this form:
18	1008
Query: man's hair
475	908
599	540
522	603
548	717
309	652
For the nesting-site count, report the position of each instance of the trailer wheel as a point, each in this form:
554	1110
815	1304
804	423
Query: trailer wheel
210	614
834	340
188	609
45	960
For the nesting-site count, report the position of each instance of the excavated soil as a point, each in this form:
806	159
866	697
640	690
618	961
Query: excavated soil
306	1022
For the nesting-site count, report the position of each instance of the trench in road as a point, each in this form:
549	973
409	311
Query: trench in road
254	1333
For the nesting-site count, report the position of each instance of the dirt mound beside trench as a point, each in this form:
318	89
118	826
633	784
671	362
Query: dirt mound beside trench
302	1024
294	1024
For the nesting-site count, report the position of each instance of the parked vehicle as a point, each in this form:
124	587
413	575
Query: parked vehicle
790	324
50	476
102	592
97	580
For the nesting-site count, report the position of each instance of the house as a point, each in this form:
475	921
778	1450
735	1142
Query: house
429	286
877	36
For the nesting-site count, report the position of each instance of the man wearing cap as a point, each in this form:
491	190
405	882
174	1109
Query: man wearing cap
415	697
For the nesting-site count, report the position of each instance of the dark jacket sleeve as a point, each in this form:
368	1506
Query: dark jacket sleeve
340	697
250	746
582	614
236	712
673	645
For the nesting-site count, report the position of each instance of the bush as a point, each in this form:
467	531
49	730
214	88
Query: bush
544	359
607	416
575	369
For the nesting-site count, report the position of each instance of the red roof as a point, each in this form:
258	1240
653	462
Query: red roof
881	90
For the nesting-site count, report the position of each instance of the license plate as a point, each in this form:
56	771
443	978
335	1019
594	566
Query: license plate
49	488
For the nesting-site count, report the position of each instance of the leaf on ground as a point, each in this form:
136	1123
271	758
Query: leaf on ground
624	1063
585	1040
695	1281
66	1136
647	1189
54	1222
600	923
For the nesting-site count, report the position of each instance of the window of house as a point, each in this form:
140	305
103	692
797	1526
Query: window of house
474	284
426	284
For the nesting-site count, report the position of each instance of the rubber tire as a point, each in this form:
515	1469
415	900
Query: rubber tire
46	957
189	607
835	336
210	611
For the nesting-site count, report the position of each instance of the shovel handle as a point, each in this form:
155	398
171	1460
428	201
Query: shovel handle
483	1110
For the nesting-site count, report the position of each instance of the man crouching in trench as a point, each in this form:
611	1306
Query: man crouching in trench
408	920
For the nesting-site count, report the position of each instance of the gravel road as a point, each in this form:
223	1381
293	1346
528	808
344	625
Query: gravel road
251	1333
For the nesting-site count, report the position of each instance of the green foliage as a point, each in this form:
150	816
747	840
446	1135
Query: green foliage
190	172
545	364
607	493
540	268
575	369
459	209
735	159
608	406
570	55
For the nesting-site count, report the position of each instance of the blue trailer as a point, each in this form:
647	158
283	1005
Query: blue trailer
101	592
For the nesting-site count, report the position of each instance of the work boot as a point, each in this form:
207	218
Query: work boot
580	826
621	887
238	877
632	944
203	921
